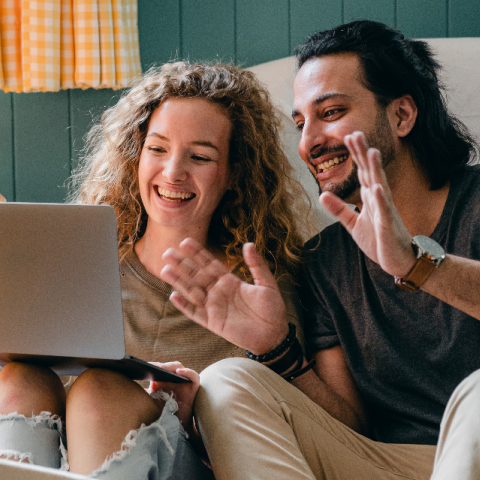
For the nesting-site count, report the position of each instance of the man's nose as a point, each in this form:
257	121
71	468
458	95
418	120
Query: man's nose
312	139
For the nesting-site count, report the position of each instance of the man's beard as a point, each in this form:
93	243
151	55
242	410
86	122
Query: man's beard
381	138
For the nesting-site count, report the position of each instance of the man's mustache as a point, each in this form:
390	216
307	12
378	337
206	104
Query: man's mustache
315	153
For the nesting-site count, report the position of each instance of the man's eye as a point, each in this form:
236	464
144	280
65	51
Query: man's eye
300	126
332	112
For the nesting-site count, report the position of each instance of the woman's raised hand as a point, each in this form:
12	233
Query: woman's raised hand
250	316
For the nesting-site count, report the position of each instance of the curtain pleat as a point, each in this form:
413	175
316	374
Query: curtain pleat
48	45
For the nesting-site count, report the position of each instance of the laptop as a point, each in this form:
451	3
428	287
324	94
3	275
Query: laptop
60	292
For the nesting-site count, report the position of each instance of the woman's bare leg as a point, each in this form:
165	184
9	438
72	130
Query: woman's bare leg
102	407
30	390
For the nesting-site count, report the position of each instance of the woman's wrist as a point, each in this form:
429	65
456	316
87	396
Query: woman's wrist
286	359
277	351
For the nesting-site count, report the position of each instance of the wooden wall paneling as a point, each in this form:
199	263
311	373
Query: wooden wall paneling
422	19
262	31
208	30
380	11
310	16
464	18
159	31
6	147
86	108
42	146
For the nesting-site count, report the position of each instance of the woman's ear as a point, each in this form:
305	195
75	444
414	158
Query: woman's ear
404	111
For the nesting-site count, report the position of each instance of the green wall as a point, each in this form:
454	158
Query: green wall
41	133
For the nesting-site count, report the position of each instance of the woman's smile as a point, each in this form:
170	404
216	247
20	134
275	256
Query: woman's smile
175	197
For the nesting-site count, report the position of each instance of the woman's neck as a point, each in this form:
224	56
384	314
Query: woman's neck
156	241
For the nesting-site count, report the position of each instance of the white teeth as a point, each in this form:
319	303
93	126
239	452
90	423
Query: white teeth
328	164
174	196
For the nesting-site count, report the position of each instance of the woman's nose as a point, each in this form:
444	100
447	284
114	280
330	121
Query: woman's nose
174	169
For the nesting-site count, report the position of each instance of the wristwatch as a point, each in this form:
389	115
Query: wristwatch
429	256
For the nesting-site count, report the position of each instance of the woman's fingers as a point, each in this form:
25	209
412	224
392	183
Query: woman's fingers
194	312
192	271
192	375
258	268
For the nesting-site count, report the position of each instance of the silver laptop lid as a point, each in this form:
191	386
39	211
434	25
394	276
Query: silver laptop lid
60	290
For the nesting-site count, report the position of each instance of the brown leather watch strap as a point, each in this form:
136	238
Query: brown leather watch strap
417	275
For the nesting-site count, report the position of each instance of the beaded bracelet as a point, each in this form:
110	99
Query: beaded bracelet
292	358
266	357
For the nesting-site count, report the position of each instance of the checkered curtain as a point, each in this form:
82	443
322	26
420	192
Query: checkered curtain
48	45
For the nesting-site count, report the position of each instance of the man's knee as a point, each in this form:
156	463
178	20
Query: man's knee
468	391
229	381
30	389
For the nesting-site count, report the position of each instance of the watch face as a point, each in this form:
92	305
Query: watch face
428	248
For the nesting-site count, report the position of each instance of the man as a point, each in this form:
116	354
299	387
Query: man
387	359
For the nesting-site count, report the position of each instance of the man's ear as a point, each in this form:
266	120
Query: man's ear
404	111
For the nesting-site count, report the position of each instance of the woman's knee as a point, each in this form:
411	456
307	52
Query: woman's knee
104	394
30	389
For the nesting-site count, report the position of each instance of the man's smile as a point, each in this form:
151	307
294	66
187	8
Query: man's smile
331	163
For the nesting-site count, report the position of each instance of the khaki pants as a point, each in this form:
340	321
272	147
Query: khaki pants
255	425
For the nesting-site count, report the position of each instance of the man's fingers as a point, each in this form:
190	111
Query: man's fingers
258	268
339	209
357	146
378	173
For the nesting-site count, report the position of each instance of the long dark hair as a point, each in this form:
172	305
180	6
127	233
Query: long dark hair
394	66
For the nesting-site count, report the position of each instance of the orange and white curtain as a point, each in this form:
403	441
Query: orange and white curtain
48	45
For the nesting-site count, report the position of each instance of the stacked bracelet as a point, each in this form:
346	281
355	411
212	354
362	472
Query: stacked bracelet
293	358
296	373
286	359
282	348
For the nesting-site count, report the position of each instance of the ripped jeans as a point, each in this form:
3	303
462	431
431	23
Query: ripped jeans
159	451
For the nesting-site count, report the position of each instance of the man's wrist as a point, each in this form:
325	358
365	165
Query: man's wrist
428	256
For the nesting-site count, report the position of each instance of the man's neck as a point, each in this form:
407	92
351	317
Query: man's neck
418	205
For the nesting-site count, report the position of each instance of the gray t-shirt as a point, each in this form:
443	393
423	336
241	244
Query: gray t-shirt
407	351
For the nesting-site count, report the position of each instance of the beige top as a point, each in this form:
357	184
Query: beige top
156	331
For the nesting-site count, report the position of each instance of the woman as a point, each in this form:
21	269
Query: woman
190	151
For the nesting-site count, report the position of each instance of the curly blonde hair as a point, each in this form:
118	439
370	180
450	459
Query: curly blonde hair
259	207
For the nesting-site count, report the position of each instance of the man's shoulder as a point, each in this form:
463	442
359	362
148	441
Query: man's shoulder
468	175
331	245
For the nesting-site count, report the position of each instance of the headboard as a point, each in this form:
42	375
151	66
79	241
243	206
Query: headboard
460	58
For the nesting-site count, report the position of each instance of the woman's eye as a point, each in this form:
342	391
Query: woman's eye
156	149
300	126
200	159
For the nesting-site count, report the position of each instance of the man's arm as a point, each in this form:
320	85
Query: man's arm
332	387
380	233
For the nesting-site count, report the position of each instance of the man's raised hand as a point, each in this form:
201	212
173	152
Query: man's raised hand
250	316
378	229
